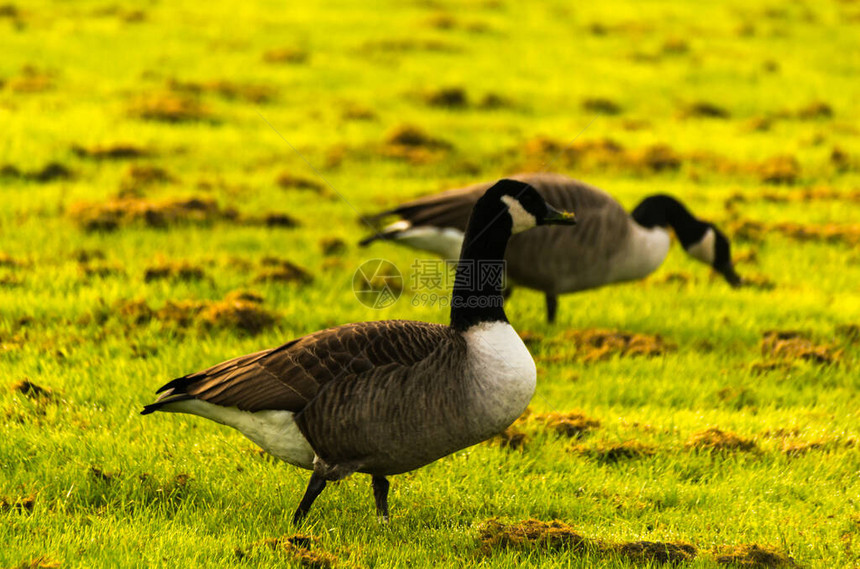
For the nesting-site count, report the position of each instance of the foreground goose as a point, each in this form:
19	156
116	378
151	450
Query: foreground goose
385	397
608	245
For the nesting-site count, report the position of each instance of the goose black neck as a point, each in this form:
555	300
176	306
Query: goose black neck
662	210
477	295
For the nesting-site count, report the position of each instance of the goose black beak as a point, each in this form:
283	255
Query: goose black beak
728	272
556	217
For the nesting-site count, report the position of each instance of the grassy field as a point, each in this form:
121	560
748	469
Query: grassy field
181	182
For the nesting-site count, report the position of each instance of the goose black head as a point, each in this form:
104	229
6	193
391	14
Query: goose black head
525	206
702	240
713	248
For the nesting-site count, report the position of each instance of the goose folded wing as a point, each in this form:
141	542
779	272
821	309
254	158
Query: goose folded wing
292	375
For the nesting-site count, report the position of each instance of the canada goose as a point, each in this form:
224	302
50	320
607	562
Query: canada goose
607	246
391	396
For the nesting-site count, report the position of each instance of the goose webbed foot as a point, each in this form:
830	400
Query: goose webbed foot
380	495
315	486
551	307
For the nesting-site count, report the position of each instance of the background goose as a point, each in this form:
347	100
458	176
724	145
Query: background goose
385	397
607	246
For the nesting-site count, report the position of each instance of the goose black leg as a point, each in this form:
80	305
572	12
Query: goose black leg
380	494
551	307
315	486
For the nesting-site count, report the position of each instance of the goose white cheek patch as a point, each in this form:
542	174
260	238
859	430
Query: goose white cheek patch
522	219
704	249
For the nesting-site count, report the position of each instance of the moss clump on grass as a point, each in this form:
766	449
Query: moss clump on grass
612	452
593	345
282	271
572	424
223	88
141	176
116	151
511	438
177	271
290	181
239	311
717	440
21	504
600	106
447	97
781	169
556	535
301	549
790	345
288	55
33	391
113	214
752	555
495	534
705	109
171	108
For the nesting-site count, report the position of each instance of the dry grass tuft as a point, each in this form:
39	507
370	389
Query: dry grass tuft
815	110
33	391
117	151
556	535
176	271
408	142
511	438
595	345
113	214
333	246
41	562
612	452
601	106
170	108
495	534
22	504
782	169
716	440
289	55
790	345
289	181
447	97
225	89
851	332
141	176
283	271
298	548
572	424
644	552
704	109
753	555
30	80
239	310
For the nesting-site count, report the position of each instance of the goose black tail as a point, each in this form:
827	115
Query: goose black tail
171	392
381	236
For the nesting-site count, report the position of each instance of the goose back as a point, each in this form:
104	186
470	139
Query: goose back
554	259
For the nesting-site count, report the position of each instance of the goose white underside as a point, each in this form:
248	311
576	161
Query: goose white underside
275	432
504	371
445	242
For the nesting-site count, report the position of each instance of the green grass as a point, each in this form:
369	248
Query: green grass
87	482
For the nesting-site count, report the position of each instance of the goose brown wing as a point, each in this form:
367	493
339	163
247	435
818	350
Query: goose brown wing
449	209
290	376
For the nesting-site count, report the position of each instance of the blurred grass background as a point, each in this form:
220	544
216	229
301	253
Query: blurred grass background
181	183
